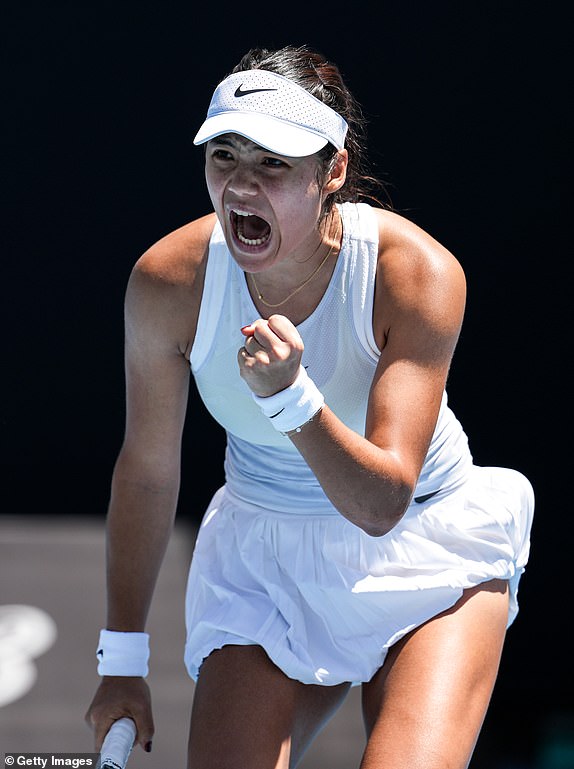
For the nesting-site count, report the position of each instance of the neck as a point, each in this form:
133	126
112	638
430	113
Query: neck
274	294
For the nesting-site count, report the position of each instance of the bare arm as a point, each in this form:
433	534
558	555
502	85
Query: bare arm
419	306
145	481
160	315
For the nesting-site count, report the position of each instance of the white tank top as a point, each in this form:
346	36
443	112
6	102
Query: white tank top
262	466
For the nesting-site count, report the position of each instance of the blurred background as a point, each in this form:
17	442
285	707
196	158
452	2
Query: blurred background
469	124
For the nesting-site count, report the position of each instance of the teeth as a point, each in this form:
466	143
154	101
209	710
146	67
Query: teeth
251	241
241	237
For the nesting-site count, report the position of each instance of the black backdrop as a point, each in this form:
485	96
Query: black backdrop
468	123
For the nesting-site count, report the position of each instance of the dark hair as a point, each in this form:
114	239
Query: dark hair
312	71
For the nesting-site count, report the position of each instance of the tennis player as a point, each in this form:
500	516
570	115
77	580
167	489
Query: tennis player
355	541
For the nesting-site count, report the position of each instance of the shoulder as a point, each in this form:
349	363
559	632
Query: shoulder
411	258
176	259
405	245
164	289
416	275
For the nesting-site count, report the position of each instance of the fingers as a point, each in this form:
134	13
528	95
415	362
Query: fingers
144	730
248	329
281	325
100	727
271	355
141	715
283	328
273	334
263	348
121	698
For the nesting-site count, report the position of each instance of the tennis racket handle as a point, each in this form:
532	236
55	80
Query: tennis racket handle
118	744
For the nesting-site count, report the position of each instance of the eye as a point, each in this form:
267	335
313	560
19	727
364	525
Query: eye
274	162
221	154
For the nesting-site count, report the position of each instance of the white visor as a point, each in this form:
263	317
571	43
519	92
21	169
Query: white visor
274	112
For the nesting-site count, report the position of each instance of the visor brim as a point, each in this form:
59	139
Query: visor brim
268	132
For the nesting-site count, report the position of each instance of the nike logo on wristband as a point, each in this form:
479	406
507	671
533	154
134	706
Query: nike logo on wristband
277	414
424	497
239	93
100	653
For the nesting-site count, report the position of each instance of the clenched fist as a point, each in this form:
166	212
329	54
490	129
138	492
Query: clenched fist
270	358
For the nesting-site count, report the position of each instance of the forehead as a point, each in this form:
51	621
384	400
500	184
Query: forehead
238	141
248	148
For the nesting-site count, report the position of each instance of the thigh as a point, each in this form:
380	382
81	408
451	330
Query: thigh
426	705
247	713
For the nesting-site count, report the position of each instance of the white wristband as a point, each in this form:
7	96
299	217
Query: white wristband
291	408
123	654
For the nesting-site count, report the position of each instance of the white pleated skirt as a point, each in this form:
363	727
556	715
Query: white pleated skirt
326	600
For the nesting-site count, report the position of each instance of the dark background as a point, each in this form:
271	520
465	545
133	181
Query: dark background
468	116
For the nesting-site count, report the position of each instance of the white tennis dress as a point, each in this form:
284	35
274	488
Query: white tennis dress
275	564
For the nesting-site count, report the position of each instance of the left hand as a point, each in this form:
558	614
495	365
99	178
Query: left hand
270	359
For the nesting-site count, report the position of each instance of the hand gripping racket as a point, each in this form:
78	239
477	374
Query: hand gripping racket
118	744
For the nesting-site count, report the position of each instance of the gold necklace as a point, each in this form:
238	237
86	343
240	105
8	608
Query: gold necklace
296	291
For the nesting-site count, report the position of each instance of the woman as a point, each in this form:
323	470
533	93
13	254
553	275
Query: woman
354	541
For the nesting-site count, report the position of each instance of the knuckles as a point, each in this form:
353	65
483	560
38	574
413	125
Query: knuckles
271	354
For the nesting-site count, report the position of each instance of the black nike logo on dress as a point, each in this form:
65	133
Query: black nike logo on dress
239	93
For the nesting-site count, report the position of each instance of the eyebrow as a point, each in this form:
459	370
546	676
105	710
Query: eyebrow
233	140
221	140
229	140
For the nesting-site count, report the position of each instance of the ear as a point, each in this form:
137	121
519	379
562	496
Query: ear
338	174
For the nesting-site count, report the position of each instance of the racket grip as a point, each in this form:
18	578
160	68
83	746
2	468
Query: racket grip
118	744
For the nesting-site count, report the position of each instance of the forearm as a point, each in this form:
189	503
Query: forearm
369	486
139	524
370	479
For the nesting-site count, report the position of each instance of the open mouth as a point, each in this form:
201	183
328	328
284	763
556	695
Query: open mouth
250	229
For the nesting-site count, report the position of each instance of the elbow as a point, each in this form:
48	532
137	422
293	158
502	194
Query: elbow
378	519
375	530
378	528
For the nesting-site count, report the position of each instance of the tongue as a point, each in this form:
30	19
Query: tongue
254	227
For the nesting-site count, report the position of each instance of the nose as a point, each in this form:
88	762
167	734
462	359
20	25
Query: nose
243	182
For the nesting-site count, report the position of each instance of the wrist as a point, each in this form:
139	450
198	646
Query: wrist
291	408
123	654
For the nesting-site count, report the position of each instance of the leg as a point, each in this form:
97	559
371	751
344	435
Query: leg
426	705
247	713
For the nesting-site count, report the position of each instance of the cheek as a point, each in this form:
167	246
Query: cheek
302	196
212	187
214	197
215	180
304	207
